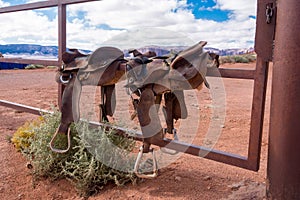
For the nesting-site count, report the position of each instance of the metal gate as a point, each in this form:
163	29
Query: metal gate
263	46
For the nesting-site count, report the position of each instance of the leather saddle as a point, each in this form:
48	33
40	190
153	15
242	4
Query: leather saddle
181	67
144	68
101	58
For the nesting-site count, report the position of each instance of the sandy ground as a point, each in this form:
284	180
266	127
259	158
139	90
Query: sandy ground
186	177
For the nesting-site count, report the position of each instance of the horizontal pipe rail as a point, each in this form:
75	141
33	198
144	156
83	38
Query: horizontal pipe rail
200	151
39	5
23	108
231	73
30	61
195	150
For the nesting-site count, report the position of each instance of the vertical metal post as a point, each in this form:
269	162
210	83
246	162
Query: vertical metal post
62	37
283	171
257	114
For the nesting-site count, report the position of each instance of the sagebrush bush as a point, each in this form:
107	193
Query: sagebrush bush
90	164
21	138
246	58
241	59
32	66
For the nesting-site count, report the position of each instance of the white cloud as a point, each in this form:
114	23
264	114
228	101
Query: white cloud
132	14
171	21
3	4
27	27
241	9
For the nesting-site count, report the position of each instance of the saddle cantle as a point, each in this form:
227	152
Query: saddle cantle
71	54
76	64
74	59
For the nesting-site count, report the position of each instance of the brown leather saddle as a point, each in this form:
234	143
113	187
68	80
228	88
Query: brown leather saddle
169	76
186	70
101	58
176	72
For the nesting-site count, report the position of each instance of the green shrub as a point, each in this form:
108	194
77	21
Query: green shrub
226	59
51	67
32	66
246	58
251	57
240	59
83	164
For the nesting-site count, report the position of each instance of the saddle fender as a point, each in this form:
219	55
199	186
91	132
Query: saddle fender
70	112
148	118
70	104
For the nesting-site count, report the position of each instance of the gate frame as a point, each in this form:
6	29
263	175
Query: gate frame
259	75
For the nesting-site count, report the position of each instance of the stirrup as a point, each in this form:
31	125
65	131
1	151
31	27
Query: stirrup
137	165
61	150
170	151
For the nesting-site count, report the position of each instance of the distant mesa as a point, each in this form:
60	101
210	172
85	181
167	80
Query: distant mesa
167	50
30	49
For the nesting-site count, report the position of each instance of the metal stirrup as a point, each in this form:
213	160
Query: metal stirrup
137	165
61	150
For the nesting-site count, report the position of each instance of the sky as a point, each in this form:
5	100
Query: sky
131	24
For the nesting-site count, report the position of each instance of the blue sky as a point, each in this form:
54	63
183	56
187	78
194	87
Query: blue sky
204	10
222	23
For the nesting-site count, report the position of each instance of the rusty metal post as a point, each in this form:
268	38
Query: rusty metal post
62	37
283	171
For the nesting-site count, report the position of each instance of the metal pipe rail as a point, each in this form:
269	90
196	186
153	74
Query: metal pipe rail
259	75
41	4
191	149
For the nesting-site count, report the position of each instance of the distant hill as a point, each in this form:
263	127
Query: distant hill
31	49
166	50
39	50
229	52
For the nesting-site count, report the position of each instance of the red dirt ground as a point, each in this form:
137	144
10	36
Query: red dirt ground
188	177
